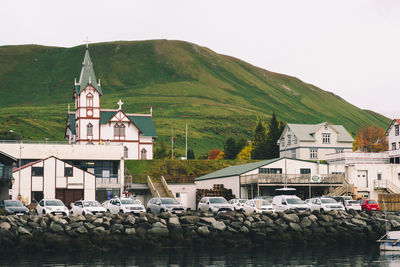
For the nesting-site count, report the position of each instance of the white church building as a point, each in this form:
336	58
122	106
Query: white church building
89	124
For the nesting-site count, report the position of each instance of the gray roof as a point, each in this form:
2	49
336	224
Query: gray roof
236	170
305	132
87	76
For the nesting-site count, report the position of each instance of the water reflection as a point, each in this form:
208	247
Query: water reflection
232	257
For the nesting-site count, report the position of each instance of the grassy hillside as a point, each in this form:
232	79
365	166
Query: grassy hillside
216	95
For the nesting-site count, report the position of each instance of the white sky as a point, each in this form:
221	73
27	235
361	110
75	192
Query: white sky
351	48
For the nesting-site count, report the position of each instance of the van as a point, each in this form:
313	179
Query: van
285	202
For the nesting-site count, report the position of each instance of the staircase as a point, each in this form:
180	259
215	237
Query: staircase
159	189
387	186
345	189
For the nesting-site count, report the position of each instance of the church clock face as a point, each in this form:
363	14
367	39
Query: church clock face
89	113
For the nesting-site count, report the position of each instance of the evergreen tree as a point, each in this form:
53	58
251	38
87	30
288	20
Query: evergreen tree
258	146
190	154
162	152
232	147
275	128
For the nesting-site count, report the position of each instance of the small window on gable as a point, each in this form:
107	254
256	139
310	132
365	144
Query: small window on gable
122	130
326	138
89	129
89	100
68	171
143	154
289	140
294	139
396	130
394	146
37	171
116	130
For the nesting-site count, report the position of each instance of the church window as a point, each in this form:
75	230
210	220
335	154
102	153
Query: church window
125	152
143	154
89	100
89	129
122	130
116	130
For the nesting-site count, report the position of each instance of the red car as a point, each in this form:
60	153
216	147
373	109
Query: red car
369	204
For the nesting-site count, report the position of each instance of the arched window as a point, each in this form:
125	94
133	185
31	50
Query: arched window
89	100
125	152
143	154
116	130
122	130
89	129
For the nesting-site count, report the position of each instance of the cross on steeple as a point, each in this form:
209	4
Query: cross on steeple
87	42
120	104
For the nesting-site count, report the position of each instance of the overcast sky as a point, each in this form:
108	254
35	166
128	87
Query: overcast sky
351	48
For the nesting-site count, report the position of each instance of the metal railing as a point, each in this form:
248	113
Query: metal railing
291	179
107	180
387	185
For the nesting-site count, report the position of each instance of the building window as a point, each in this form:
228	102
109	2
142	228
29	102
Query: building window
116	130
89	129
68	172
326	138
293	153
37	171
125	152
270	170
305	171
393	146
313	153
122	130
89	100
339	150
326	126
294	139
396	130
143	154
398	175
379	176
289	140
177	195
283	142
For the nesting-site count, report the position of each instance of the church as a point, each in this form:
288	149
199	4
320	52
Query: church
90	124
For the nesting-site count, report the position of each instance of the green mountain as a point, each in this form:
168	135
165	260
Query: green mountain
216	95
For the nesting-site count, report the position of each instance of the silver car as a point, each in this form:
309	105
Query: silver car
162	204
214	204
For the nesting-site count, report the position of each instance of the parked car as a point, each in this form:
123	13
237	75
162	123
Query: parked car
214	204
82	207
258	206
14	207
340	199
324	204
352	205
238	203
124	205
52	206
162	204
369	205
286	202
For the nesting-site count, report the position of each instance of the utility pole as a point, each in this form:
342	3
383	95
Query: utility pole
186	143
172	142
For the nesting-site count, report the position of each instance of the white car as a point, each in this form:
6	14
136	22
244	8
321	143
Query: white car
289	202
125	205
52	206
214	204
238	203
258	206
82	207
325	204
352	205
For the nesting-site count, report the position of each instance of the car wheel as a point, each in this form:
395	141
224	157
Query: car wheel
43	212
71	212
108	210
209	209
148	210
121	211
321	210
364	209
161	210
83	213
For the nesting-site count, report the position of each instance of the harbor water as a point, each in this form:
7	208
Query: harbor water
338	256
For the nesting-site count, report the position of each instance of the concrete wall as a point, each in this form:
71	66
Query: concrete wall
187	194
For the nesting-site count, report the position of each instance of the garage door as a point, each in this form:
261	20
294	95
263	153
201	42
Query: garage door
69	196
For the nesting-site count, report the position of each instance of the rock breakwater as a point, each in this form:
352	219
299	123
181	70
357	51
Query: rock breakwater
192	230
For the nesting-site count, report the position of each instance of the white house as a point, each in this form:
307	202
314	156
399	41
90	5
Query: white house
53	178
393	136
263	177
314	141
89	124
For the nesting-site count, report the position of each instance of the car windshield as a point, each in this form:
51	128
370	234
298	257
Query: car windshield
265	203
371	202
169	201
129	201
54	203
12	203
91	204
353	202
218	200
242	201
294	201
328	200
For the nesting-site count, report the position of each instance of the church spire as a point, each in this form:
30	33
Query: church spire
87	75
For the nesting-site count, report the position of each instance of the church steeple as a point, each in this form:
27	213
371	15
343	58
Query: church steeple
87	76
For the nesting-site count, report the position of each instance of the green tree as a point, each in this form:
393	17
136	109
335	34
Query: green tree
190	154
232	147
275	128
258	146
162	151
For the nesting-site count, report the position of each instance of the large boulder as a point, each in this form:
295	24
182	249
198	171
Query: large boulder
174	221
209	220
295	227
55	227
159	231
130	231
190	219
117	228
305	222
5	226
98	222
203	231
358	222
81	230
290	217
220	226
23	231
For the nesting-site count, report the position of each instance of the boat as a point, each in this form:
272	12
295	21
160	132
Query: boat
390	241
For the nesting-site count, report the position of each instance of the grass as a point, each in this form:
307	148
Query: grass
217	96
